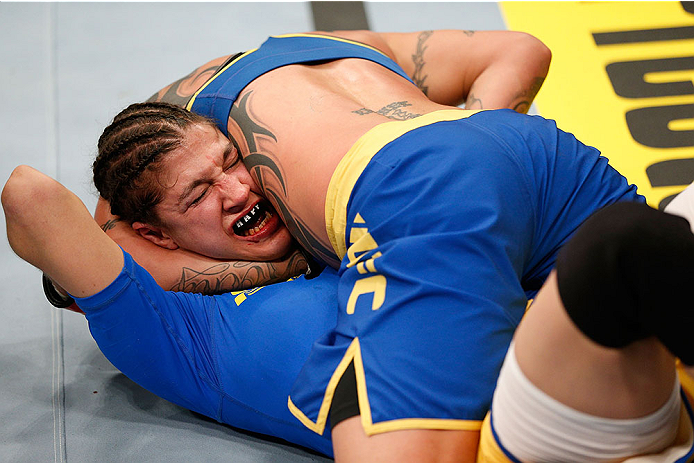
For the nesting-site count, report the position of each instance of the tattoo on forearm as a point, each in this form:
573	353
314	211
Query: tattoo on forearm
469	33
473	102
270	177
418	75
391	111
234	276
527	96
110	224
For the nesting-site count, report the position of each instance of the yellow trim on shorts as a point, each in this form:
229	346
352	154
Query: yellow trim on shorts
488	450
354	354
355	160
686	381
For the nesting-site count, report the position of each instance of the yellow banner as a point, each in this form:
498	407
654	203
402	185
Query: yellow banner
621	80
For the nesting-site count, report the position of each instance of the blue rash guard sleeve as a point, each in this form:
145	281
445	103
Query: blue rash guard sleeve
231	357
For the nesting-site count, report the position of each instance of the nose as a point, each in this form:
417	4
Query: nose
235	193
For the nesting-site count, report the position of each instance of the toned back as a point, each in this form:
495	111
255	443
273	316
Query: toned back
299	120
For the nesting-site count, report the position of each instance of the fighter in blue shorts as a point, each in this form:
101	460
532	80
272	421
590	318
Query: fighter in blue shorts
443	223
254	219
451	227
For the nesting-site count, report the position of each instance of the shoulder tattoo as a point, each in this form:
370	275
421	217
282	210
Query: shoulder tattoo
181	91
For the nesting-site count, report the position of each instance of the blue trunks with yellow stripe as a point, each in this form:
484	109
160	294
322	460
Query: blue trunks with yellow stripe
446	224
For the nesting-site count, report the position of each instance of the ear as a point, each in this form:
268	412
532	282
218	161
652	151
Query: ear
155	235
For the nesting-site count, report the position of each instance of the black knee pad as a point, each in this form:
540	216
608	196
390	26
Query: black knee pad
628	274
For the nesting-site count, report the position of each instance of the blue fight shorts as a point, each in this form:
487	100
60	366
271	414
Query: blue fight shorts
446	225
231	357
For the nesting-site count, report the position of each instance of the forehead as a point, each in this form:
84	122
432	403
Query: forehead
200	139
201	149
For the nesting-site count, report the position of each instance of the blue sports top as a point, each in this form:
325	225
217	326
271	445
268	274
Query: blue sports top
215	98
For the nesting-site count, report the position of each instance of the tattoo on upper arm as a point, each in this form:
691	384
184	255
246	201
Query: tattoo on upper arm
418	75
469	33
181	91
110	224
235	276
391	111
528	95
270	177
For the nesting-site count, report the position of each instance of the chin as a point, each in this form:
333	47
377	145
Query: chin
263	253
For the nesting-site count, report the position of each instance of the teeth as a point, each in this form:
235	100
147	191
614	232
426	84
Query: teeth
248	217
258	227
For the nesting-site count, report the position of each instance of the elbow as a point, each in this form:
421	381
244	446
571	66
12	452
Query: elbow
15	205
543	55
15	191
534	52
26	189
25	197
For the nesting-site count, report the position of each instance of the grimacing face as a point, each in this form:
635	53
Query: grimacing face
212	206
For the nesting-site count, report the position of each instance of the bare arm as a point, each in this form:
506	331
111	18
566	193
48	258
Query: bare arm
483	69
49	227
181	270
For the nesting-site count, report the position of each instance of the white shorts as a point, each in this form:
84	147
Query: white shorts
532	426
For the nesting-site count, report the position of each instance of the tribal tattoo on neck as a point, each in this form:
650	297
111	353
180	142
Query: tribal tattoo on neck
269	175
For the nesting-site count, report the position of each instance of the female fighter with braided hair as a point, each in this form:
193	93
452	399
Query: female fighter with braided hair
231	357
134	152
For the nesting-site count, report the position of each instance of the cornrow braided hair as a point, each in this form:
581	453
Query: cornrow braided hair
131	152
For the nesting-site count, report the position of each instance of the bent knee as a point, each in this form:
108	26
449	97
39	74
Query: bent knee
623	263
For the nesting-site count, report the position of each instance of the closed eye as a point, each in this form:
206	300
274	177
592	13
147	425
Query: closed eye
199	198
231	156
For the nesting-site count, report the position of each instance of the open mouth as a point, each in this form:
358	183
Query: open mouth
254	220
